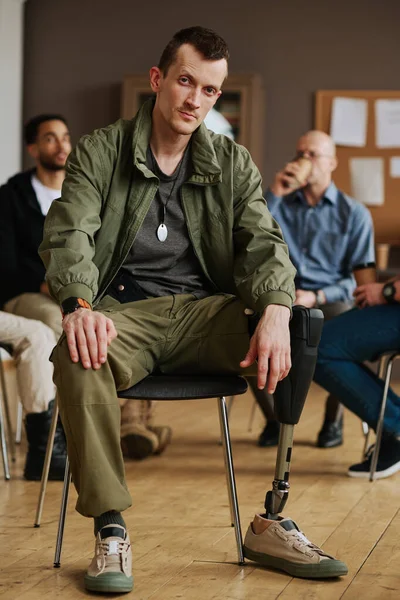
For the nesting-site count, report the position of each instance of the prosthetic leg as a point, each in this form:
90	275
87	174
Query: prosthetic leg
289	397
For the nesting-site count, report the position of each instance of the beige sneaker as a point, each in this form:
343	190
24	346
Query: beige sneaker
137	441
111	567
281	545
164	435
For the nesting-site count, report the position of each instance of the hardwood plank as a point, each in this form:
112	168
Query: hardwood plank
183	544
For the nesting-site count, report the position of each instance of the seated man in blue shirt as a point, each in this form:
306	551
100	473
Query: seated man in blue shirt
327	233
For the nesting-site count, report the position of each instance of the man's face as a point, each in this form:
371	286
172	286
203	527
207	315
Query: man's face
189	90
52	145
318	148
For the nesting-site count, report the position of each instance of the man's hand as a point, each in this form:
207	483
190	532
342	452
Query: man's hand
270	346
369	294
88	335
305	298
286	181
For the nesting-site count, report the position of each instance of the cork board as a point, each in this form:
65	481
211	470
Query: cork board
386	217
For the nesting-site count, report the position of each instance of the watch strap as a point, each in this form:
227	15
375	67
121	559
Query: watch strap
389	292
72	304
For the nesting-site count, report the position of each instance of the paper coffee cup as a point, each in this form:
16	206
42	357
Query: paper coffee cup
365	273
382	256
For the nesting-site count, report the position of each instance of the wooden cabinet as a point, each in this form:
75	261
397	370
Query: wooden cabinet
241	103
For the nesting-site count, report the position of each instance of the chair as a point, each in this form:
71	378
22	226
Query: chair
385	372
168	387
4	402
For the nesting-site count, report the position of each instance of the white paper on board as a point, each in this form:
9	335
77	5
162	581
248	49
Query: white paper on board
395	166
349	121
367	180
387	123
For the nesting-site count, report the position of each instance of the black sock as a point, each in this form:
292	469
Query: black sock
108	518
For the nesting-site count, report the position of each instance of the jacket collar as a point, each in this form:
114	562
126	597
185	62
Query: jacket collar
206	169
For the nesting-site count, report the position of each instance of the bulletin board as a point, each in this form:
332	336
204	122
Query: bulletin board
386	217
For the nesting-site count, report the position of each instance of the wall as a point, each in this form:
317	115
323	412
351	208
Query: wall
11	35
77	52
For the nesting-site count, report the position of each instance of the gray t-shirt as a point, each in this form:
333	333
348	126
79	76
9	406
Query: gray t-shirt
170	267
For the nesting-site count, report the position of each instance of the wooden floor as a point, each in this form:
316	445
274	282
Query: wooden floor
183	546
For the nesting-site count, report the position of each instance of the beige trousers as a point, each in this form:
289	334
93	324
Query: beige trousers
37	306
32	343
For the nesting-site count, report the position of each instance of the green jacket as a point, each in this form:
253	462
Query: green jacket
108	190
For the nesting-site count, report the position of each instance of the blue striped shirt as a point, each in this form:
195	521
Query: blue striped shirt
325	241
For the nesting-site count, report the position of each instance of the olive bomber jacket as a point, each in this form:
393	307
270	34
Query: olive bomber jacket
108	190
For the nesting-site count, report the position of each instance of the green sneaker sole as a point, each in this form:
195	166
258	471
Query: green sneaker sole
109	583
322	570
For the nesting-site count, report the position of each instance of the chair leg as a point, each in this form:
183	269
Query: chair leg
252	413
46	466
7	411
366	430
229	405
230	475
18	433
63	512
379	426
4	444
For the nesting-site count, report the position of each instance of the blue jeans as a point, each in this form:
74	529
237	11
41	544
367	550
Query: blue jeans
348	340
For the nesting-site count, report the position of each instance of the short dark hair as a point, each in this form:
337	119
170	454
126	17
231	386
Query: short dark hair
206	41
31	127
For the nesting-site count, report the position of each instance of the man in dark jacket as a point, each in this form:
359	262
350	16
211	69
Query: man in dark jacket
25	200
163	230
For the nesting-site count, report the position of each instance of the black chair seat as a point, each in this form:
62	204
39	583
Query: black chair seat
7	347
185	387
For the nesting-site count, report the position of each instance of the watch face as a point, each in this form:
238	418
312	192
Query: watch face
388	291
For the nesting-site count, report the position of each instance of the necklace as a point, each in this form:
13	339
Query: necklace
162	229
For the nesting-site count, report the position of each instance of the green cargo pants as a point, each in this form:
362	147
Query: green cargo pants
174	334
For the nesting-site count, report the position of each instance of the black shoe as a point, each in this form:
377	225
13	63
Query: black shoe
388	460
331	434
37	427
269	435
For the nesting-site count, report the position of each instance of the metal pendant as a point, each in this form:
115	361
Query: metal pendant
162	232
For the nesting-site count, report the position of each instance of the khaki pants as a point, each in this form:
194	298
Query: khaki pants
37	306
174	334
32	343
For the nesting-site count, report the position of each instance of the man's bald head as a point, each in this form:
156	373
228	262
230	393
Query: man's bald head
319	140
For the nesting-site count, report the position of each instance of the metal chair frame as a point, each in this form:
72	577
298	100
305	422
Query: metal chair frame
385	367
5	425
229	471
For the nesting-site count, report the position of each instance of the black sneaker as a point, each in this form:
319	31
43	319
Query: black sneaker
388	460
269	435
331	434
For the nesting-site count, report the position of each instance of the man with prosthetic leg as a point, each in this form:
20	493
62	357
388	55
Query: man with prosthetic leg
174	215
272	540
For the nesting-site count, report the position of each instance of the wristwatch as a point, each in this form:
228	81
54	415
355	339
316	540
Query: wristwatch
389	292
72	304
